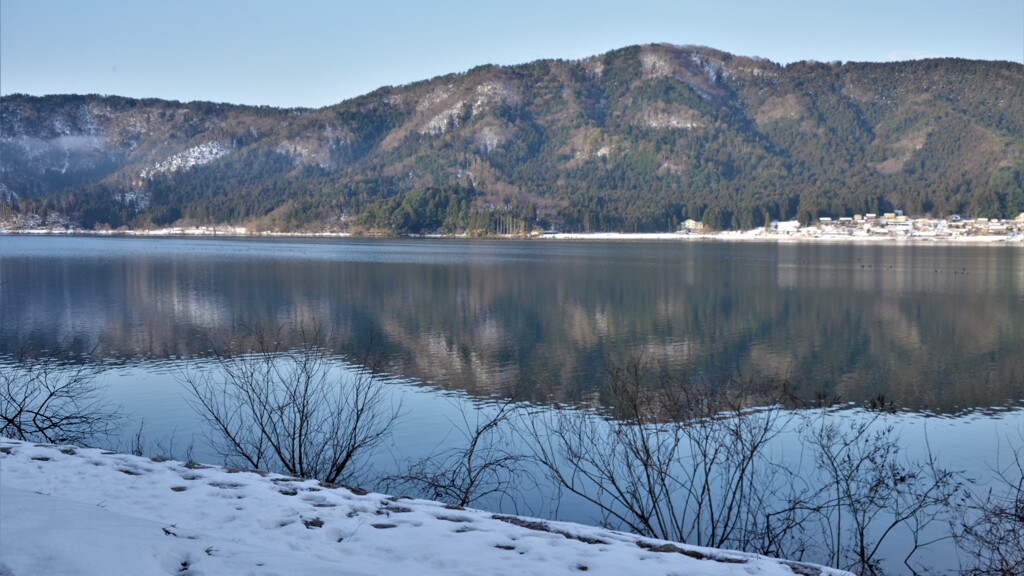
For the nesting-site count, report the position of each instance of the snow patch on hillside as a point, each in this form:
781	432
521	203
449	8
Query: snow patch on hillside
594	66
53	153
483	97
655	65
435	96
672	119
713	68
491	136
194	156
447	119
135	198
490	93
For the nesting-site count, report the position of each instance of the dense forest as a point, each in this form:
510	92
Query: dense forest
637	139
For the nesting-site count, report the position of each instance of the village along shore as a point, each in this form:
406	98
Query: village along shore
891	227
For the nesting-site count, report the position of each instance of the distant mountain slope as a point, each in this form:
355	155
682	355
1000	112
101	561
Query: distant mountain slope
636	139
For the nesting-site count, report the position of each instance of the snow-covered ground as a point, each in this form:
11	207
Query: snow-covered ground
77	511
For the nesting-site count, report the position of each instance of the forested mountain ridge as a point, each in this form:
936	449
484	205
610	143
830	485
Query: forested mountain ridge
633	140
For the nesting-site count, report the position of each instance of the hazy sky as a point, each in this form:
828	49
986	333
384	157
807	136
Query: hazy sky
319	52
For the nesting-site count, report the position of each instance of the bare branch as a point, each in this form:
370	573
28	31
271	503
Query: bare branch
484	465
52	396
990	529
674	459
296	411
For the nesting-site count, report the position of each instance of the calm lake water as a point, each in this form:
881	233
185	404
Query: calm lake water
938	330
932	328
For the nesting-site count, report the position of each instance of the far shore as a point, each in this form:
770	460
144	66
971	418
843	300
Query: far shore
762	236
809	234
858	229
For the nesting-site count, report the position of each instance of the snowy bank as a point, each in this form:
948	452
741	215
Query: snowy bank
68	510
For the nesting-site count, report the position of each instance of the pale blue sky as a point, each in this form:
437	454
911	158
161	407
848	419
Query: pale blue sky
319	52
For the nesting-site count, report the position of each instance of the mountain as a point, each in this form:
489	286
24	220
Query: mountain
636	139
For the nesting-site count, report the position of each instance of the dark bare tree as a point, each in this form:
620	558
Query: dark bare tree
726	465
52	396
675	459
484	463
990	530
864	491
298	411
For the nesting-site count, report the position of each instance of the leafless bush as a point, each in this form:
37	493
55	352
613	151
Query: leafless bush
990	529
295	411
53	396
678	460
484	464
865	490
165	448
726	465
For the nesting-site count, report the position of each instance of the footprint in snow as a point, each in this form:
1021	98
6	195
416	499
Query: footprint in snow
456	519
318	501
180	563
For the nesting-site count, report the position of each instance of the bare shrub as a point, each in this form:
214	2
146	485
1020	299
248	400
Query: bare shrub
677	460
726	465
990	529
294	411
484	464
52	396
865	490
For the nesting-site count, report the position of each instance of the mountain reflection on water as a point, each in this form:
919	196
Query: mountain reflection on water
930	327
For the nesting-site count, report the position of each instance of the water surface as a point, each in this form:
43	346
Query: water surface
932	328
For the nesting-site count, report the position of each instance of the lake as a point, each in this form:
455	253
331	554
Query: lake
932	328
938	330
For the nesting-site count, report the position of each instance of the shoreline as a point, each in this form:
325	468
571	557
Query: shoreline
67	509
747	236
757	235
